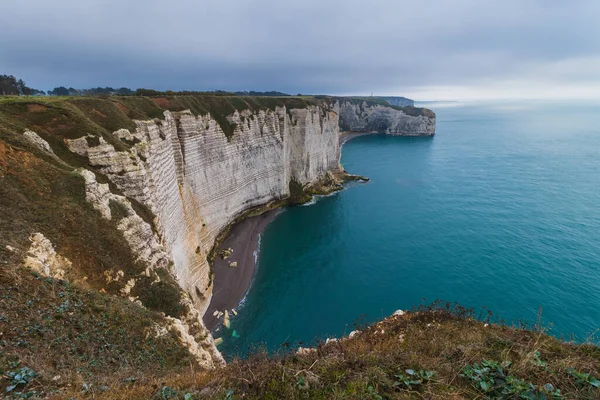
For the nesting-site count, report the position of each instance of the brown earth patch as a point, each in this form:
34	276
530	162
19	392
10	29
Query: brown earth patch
98	113
34	107
161	102
122	107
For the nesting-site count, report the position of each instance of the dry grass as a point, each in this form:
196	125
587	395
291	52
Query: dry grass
443	341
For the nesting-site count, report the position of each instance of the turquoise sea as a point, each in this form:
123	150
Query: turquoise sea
501	209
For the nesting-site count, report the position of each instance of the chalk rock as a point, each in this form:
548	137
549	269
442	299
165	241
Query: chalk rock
362	117
38	141
139	235
42	258
353	333
226	321
181	330
398	312
125	290
305	350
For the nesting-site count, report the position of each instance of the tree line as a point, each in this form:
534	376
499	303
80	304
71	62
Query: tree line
98	91
10	85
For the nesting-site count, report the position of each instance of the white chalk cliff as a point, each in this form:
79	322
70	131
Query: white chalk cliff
196	180
365	117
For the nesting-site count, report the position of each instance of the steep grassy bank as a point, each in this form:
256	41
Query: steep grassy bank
59	341
430	353
56	337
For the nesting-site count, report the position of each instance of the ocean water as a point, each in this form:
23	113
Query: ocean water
501	209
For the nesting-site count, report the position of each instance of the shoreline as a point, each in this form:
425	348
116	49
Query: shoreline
347	136
232	283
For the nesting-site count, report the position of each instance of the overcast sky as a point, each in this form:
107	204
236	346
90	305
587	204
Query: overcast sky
427	50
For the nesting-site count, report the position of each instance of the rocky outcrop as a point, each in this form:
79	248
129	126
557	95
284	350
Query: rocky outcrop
42	258
143	242
362	116
35	139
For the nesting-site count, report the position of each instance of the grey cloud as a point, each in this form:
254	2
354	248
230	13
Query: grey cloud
331	46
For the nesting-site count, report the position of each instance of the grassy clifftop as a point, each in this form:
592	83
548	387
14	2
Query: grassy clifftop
56	118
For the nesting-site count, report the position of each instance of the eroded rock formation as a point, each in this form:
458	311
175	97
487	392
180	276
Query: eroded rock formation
361	116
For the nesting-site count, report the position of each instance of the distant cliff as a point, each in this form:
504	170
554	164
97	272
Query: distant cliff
398	101
365	115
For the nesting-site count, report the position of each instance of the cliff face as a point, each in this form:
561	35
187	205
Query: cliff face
150	199
363	116
196	181
399	101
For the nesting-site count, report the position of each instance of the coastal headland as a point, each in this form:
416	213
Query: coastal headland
167	176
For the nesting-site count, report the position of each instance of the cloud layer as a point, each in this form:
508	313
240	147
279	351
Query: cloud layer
435	49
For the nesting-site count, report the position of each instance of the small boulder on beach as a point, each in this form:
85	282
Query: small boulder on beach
225	253
226	321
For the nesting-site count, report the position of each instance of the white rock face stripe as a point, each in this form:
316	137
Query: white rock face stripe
196	181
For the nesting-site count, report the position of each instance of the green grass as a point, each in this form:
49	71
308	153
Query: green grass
164	296
56	329
39	193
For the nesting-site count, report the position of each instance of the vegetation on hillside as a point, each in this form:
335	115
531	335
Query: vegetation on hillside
56	118
57	337
437	352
